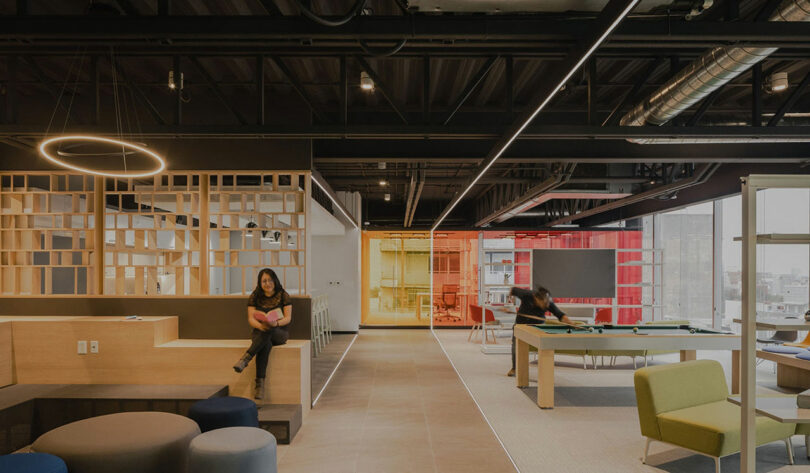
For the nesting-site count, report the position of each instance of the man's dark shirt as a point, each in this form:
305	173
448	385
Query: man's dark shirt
528	307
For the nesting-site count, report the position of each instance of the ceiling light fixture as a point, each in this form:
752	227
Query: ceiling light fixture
172	83
778	82
45	152
337	204
365	81
52	148
539	108
383	182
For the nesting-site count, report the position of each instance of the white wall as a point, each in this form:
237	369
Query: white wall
335	268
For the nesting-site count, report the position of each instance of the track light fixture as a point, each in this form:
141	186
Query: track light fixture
365	82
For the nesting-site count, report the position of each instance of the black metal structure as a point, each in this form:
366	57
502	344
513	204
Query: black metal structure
447	86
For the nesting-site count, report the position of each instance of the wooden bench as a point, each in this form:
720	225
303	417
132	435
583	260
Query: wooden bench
791	372
146	351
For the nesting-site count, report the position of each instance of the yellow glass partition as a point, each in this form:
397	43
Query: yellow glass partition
396	278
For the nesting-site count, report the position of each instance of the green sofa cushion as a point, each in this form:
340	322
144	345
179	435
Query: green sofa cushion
616	352
714	428
667	388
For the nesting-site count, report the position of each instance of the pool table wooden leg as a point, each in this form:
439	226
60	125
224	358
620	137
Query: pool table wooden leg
735	371
688	355
521	363
545	379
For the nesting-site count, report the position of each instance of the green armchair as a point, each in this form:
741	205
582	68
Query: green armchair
685	404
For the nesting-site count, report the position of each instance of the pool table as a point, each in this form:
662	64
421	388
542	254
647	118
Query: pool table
549	337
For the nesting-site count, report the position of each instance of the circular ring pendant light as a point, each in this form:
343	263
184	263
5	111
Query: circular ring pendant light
123	148
160	164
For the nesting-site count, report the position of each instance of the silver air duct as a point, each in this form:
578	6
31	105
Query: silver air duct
706	74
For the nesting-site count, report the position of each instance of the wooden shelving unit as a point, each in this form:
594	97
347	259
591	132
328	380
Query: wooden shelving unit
183	233
46	237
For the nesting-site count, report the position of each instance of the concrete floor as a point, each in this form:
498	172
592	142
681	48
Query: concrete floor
395	405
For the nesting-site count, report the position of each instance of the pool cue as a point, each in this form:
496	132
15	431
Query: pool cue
578	327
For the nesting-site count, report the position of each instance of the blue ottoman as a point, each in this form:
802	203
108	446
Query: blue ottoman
783	349
32	463
804	355
221	412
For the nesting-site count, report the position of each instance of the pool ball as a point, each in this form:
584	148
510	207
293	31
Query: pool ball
590	329
569	330
691	330
600	330
635	329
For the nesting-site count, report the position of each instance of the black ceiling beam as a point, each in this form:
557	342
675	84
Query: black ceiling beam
451	132
382	88
448	27
768	10
139	94
614	116
790	102
471	86
723	183
216	90
613	13
128	7
535	152
296	84
46	82
270	7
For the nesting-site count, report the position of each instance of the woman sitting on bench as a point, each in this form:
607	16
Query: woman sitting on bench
269	312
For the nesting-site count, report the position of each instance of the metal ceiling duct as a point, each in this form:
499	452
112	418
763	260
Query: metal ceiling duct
706	74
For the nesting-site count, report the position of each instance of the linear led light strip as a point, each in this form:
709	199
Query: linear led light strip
315	401
538	109
338	204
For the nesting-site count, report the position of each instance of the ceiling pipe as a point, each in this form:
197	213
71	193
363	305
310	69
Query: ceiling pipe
701	175
418	194
706	74
411	191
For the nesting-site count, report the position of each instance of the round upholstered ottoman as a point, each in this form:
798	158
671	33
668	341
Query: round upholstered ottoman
32	463
228	411
127	442
233	449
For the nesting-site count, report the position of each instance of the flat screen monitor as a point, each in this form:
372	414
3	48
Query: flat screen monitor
575	273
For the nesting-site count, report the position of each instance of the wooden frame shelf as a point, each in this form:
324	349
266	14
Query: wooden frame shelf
152	233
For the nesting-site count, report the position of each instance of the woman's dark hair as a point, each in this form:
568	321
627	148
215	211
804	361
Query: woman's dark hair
259	292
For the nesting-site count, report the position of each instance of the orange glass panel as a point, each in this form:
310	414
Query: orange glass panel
455	277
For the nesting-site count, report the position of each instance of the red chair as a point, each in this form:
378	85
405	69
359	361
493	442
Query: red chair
490	322
604	316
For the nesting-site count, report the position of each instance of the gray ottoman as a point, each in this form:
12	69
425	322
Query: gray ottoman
127	442
233	449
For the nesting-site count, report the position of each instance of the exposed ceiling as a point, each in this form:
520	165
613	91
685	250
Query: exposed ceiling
458	75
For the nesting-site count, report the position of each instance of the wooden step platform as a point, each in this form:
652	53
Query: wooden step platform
791	372
29	410
281	420
145	351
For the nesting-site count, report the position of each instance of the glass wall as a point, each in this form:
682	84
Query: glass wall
782	270
396	278
685	238
455	277
507	262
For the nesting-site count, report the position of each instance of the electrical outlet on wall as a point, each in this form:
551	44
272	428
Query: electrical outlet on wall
81	347
94	346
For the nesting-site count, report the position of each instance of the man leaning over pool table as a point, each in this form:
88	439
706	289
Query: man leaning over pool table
535	303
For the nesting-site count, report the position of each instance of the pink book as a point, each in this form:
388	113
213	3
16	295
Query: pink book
268	317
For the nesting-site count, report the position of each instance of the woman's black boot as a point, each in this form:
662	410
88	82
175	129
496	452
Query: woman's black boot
258	392
243	362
